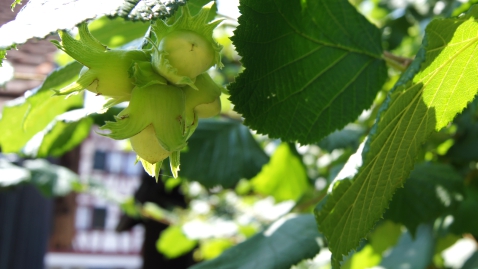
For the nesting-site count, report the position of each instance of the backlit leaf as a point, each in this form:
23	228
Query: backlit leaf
23	117
173	243
284	177
416	108
62	135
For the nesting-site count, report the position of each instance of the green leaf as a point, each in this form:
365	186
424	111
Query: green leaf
22	118
465	140
465	220
349	137
285	243
51	180
173	243
382	238
221	152
30	21
214	247
284	177
412	252
464	7
465	148
131	208
431	191
367	257
308	71
415	109
63	134
118	31
153	211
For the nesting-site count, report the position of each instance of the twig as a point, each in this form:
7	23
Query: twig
397	62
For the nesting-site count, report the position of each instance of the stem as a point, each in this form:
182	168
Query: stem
397	62
148	216
312	202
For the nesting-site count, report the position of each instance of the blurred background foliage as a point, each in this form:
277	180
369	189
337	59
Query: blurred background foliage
247	194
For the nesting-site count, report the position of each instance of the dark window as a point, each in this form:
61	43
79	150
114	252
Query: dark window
99	160
99	218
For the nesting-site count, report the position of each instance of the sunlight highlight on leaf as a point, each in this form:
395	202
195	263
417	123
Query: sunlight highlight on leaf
23	117
284	177
416	108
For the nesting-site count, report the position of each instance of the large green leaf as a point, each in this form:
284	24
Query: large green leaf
63	134
24	117
284	177
431	191
285	243
30	21
445	83
312	66
221	152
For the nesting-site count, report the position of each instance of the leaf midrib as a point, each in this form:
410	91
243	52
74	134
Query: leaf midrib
373	162
310	82
319	42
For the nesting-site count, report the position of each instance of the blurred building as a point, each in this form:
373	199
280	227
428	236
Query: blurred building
78	230
31	63
95	242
